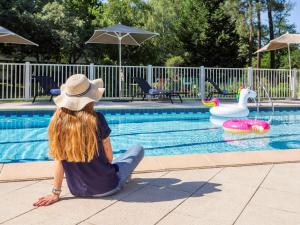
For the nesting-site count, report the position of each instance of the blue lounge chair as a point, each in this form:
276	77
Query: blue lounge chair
148	90
217	90
47	87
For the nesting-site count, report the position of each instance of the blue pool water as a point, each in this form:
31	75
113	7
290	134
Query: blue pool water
23	135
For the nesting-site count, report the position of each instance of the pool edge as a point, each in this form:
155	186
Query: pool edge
44	170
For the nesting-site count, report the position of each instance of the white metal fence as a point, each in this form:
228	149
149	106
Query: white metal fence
12	81
228	79
111	79
17	79
279	83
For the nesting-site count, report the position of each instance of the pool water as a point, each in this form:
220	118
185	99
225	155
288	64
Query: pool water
23	135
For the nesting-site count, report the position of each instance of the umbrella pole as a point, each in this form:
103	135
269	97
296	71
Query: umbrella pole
290	72
120	68
290	64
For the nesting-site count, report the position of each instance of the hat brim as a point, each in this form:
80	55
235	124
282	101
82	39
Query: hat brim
76	103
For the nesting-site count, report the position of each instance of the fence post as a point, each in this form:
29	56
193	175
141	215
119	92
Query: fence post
27	81
202	82
149	78
294	83
149	75
92	71
250	77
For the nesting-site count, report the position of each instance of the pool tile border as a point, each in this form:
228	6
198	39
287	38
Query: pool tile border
42	111
44	170
141	106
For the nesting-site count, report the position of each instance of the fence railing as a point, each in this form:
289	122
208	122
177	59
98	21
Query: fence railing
12	81
16	79
229	79
277	82
180	79
113	83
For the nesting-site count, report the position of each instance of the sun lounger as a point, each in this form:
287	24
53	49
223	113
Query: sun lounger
148	90
47	86
217	90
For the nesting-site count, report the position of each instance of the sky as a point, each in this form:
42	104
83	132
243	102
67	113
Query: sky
293	18
295	15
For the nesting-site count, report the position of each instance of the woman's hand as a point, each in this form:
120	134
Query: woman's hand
58	178
46	200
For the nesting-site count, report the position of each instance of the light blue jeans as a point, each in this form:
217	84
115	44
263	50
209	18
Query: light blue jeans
126	162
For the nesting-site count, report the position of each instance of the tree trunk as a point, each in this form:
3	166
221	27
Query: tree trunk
271	31
258	9
77	56
37	55
250	41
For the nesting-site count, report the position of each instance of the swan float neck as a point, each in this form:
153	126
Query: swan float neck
235	110
245	94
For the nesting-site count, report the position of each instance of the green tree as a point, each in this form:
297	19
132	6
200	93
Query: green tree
162	17
131	13
222	45
220	33
70	22
259	27
18	16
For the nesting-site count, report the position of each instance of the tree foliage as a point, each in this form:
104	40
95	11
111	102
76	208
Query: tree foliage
210	33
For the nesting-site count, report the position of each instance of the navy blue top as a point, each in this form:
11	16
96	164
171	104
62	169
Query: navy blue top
97	176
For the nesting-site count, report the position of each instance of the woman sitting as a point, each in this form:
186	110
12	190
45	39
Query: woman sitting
80	144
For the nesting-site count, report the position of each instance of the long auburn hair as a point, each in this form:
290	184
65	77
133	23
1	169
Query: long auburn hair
73	134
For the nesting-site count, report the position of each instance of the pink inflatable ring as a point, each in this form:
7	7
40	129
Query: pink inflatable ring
243	126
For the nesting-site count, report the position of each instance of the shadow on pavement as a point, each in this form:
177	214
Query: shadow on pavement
160	189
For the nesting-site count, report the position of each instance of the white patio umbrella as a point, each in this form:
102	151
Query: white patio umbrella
7	36
284	41
121	35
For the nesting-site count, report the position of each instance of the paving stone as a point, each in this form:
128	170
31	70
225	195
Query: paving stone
216	204
73	208
145	206
137	182
86	223
186	180
277	199
177	218
262	215
28	170
38	217
85	207
222	199
8	187
245	175
284	177
21	200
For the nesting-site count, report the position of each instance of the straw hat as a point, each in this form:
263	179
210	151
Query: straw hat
78	91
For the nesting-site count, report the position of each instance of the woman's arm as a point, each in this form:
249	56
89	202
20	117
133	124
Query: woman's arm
107	149
58	178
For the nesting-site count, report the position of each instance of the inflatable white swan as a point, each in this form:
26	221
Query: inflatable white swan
235	110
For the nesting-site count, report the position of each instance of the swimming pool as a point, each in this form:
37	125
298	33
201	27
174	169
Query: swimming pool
23	135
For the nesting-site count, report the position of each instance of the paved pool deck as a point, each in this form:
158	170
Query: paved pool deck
246	195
